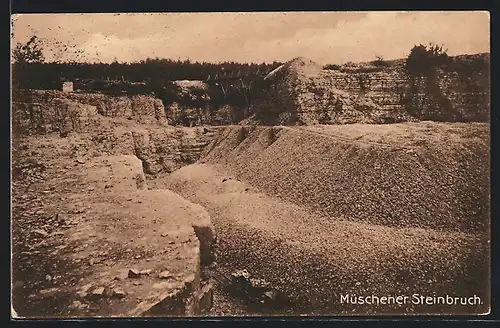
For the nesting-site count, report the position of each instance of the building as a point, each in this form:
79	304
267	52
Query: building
67	87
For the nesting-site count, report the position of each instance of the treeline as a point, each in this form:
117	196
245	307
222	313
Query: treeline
50	75
422	60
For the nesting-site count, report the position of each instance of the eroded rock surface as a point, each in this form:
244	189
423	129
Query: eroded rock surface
91	218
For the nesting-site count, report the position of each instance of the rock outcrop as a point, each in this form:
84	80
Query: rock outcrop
300	92
160	147
134	250
140	108
57	114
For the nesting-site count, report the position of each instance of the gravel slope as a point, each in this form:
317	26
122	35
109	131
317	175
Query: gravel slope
427	175
360	209
316	259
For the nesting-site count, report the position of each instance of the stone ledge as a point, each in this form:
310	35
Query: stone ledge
117	227
155	221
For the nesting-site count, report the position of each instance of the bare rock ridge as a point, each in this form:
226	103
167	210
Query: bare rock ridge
158	241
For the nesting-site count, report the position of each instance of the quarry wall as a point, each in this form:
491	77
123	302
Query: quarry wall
188	115
301	92
396	91
141	108
117	131
39	107
336	97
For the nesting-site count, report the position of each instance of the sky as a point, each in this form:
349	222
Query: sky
324	37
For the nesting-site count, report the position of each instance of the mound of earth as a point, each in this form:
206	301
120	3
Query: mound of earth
299	67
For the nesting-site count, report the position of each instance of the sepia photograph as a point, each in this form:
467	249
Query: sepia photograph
250	164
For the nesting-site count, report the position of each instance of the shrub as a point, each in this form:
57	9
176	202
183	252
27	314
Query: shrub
379	62
469	64
332	67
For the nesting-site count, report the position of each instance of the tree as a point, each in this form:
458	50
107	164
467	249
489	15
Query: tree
424	59
30	52
24	55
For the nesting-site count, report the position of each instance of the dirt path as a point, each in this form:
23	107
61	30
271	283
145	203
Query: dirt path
357	140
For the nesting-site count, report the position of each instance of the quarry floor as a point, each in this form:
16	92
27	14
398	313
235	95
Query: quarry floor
81	223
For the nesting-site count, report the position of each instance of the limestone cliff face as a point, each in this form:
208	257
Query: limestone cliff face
141	108
450	96
300	92
112	126
37	115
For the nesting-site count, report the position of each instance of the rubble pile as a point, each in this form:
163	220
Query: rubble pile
314	258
